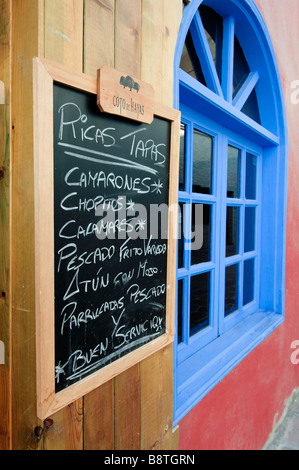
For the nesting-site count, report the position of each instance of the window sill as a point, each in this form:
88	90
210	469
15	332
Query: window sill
197	375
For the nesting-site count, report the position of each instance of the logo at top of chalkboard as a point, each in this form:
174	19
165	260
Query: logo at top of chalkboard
128	82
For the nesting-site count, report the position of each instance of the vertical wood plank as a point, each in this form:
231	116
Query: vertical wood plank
64	32
127	410
66	431
128	36
172	16
152	45
25	21
99	50
156	400
99	418
160	25
63	43
5	409
98	35
5	404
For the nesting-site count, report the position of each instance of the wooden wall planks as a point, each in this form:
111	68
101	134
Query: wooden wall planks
5	139
25	19
67	430
98	35
128	36
99	418
64	32
152	45
133	411
127	410
173	10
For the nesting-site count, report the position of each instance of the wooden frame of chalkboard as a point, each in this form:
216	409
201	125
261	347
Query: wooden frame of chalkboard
84	337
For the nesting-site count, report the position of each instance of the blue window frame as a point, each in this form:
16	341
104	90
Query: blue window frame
233	174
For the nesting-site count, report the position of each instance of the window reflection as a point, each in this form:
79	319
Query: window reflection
249	243
202	162
241	72
248	284
231	289
189	61
199	303
181	235
250	191
182	158
233	172
213	25
180	310
203	254
232	230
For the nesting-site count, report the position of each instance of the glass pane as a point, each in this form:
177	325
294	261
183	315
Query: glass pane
232	230
189	61
202	162
251	108
203	254
250	190
181	235
180	310
241	72
213	25
233	172
249	244
248	287
231	289
241	67
182	157
199	303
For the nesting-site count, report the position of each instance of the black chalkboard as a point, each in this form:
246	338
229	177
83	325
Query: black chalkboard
111	181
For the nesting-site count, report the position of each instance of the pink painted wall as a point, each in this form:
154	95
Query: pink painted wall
240	412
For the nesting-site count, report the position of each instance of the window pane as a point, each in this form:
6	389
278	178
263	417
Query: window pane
249	244
203	254
202	162
233	172
199	302
213	25
250	191
248	287
251	107
189	61
180	310
241	72
181	235
182	158
232	231
241	67
231	289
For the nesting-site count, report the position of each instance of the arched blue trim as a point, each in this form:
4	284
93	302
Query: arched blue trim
194	379
259	53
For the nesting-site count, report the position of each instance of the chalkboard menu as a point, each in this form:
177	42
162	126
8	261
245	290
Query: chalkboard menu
110	197
105	209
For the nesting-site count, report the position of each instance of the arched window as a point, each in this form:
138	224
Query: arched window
232	193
